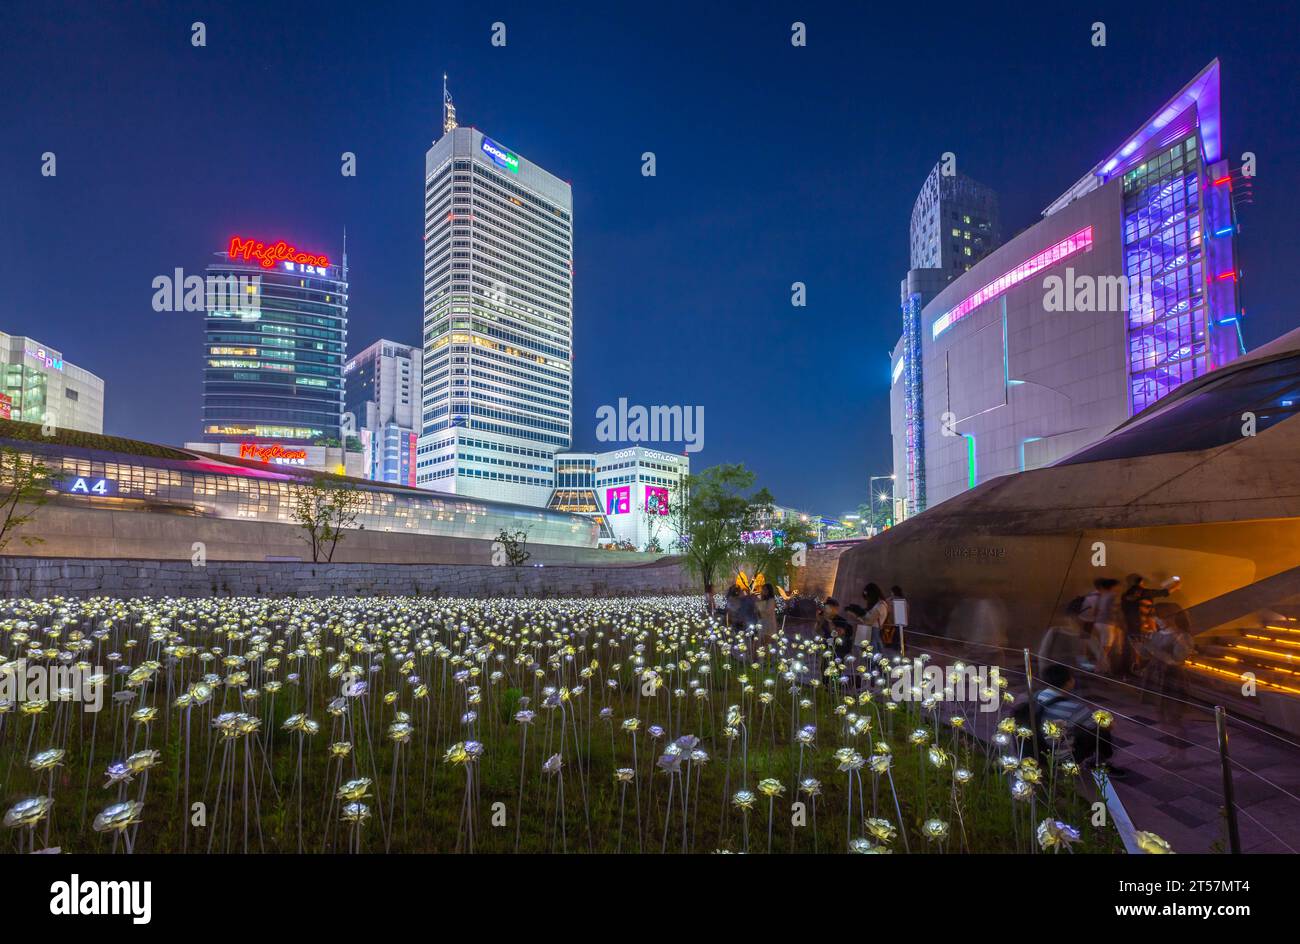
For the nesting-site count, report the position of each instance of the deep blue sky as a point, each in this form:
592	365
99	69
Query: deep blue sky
775	164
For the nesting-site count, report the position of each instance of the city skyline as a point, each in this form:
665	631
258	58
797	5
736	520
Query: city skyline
686	275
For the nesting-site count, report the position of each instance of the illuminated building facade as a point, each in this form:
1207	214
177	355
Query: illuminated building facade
276	324
497	391
1123	291
627	492
123	475
39	386
382	405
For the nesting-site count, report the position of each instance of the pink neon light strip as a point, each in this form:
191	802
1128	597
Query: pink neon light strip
1080	241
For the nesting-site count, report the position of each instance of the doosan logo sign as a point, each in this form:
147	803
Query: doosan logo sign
76	897
500	156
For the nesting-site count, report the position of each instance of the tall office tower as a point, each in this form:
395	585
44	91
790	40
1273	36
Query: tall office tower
954	223
954	226
383	402
497	398
276	331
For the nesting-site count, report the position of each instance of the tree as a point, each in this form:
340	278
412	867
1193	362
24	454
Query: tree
324	510
24	480
708	514
775	561
515	546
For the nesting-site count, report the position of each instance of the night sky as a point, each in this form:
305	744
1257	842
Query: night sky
775	164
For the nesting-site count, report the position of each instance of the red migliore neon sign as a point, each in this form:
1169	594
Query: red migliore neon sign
272	453
268	254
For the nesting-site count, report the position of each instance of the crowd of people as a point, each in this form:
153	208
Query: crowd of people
1127	632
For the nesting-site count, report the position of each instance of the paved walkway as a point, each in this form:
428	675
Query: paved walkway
1173	783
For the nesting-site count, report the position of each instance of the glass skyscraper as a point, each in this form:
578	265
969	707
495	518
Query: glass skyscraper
276	324
497	398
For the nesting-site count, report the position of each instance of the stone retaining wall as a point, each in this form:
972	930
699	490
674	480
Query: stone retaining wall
44	577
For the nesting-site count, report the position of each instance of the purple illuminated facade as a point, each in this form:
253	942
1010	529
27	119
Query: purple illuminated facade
1126	289
1179	243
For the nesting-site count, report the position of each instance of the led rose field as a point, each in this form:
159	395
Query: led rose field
440	725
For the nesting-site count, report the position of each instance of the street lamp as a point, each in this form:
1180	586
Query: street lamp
882	497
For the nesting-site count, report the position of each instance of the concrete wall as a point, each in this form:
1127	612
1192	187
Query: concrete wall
42	577
817	576
66	532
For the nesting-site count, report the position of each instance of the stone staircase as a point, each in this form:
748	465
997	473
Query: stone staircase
1268	646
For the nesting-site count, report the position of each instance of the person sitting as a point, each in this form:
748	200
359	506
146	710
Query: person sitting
1089	742
834	628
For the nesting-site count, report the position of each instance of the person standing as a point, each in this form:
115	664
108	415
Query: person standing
1135	594
1106	625
877	611
890	637
767	612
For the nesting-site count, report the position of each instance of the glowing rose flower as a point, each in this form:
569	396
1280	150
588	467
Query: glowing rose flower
771	787
400	731
48	760
341	748
939	757
810	786
1007	725
880	763
624	775
881	830
962	775
865	847
118	816
1070	768
356	813
552	764
1053	730
1152	844
354	789
1102	718
141	761
118	772
1020	790
936	830
1055	835
630	725
920	737
28	812
295	723
744	799
807	735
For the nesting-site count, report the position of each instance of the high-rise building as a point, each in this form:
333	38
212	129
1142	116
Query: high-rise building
276	329
1123	291
954	226
39	386
382	407
954	223
497	392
